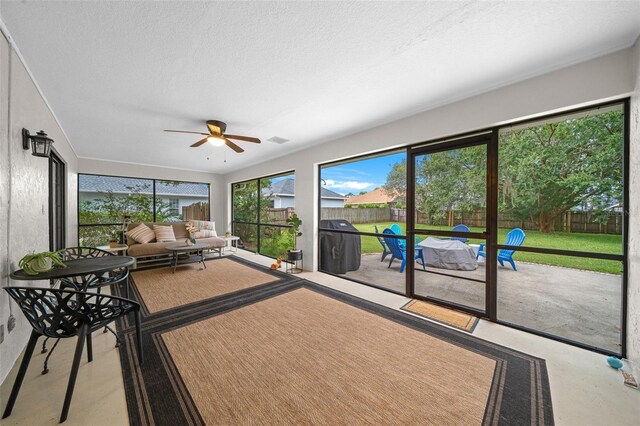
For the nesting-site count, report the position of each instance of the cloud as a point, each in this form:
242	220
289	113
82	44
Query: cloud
348	186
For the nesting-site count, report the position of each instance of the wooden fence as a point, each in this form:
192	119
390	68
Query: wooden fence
568	222
359	215
196	211
277	216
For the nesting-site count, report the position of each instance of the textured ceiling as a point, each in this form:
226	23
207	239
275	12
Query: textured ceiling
116	74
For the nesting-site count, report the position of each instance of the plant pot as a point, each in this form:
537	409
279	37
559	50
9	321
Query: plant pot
41	265
113	244
294	254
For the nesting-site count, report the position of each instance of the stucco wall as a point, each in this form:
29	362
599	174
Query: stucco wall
633	291
24	197
113	168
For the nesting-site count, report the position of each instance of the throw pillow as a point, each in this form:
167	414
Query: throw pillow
141	234
203	225
205	233
164	233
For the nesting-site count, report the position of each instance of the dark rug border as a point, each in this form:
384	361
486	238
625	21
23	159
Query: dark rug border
508	402
279	278
471	330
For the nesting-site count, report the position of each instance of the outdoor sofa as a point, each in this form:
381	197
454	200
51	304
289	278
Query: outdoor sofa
156	252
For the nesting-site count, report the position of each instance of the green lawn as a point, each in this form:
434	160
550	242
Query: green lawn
600	243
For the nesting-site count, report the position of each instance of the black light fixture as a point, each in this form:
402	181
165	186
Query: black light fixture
40	143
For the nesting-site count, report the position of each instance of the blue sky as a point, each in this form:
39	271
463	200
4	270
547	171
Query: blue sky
361	175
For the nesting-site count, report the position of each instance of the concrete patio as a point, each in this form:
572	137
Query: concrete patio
580	305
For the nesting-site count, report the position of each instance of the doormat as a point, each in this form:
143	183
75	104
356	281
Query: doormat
460	320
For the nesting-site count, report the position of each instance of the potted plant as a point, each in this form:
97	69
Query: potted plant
36	263
227	234
294	230
113	241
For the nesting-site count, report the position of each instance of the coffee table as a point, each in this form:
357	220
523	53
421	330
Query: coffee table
184	254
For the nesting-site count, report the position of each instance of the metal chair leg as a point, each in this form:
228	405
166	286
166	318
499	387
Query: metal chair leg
44	346
21	373
89	348
139	338
107	328
45	368
82	334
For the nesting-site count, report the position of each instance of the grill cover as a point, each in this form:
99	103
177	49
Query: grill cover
339	253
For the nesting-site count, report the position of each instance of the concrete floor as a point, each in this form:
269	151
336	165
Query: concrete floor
584	389
580	305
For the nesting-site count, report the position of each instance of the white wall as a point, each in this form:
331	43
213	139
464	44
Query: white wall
24	194
633	291
598	80
113	168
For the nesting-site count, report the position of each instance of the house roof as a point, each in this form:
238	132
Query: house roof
377	196
94	183
286	188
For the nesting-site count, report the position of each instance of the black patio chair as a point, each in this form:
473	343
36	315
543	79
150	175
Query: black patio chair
65	313
85	283
92	281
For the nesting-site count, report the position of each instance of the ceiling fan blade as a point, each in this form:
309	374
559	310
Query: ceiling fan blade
242	138
233	146
200	142
186	131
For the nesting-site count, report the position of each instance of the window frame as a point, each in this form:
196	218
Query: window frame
153	186
257	223
451	141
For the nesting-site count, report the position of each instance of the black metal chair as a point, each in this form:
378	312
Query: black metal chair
92	281
85	283
64	313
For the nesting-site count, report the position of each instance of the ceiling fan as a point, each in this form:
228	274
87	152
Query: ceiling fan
218	137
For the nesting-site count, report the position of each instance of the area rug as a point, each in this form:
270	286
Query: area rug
460	320
294	352
160	289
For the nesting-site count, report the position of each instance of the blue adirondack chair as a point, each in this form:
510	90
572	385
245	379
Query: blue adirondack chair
385	249
400	253
515	237
398	231
461	228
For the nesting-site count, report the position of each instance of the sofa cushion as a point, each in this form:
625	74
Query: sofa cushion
164	233
141	234
205	233
203	225
158	248
179	230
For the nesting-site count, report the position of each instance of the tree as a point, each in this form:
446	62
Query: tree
547	170
544	171
445	181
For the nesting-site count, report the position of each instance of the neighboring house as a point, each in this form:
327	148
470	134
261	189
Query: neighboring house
178	195
377	196
282	195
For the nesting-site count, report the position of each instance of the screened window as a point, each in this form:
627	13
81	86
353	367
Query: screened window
261	208
103	201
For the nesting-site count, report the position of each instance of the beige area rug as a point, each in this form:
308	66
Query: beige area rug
451	317
161	289
305	358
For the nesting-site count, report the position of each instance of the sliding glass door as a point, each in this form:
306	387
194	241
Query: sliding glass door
450	227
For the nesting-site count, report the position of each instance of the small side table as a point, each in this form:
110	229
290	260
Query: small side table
232	243
294	262
117	249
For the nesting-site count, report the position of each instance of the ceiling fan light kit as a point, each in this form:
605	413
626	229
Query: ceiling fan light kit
217	136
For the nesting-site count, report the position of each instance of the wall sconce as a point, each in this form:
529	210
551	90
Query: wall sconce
40	143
